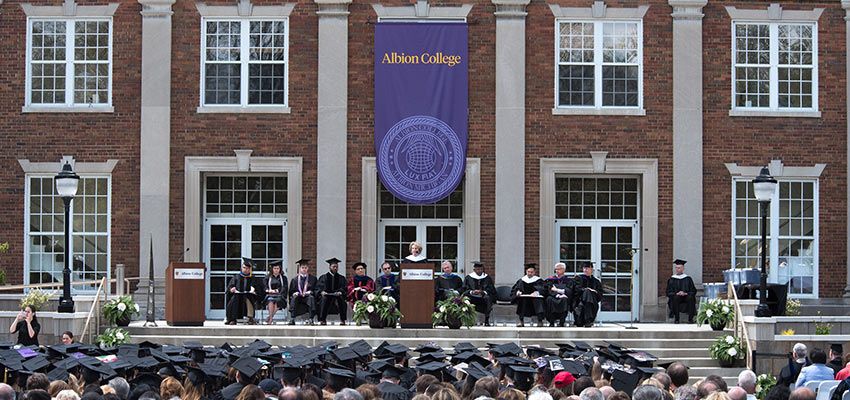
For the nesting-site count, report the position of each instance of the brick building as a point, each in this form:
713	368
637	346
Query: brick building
221	129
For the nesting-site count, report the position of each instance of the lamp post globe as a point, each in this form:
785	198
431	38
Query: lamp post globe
764	187
67	182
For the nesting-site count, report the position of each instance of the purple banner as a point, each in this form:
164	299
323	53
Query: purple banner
421	108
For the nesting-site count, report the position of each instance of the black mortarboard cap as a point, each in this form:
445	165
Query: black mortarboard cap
247	261
57	374
339	372
475	372
535	352
530	265
197	376
36	363
428	357
367	375
587	264
639	359
679	261
302	261
345	354
361	347
391	371
396	349
286	373
465	346
836	348
433	368
574	367
315	380
147	378
470	357
427	348
523	376
333	260
583	346
647	372
213	370
476	264
198	355
626	381
276	263
247	366
509	348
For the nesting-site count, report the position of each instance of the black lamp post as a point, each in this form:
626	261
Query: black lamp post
67	182
764	186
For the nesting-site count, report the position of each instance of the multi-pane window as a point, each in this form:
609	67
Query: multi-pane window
596	198
791	234
775	66
240	195
69	62
599	64
244	62
90	229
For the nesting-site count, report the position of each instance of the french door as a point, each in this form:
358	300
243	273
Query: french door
226	241
441	240
609	245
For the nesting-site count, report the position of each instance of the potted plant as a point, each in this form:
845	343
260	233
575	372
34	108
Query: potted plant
379	310
727	350
112	337
454	311
120	310
764	383
717	313
35	299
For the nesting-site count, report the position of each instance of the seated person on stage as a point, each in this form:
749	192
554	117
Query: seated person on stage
587	293
447	283
331	291
242	294
478	286
681	293
415	253
360	284
558	290
276	285
527	294
387	282
301	293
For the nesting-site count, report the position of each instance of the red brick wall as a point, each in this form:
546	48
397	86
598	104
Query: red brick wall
46	137
800	142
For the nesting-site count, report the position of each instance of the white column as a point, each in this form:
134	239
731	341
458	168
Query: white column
155	168
687	137
510	139
332	132
846	5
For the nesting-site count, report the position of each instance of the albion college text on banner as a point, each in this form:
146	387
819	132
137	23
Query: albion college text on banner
421	108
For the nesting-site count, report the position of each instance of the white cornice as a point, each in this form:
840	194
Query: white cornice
598	11
245	9
777	169
421	10
687	9
156	8
69	9
331	8
510	8
774	12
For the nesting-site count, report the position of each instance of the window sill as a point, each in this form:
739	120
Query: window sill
599	111
243	110
774	114
64	109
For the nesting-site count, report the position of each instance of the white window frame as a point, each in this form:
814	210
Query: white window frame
69	104
598	48
773	232
421	230
108	234
773	29
244	61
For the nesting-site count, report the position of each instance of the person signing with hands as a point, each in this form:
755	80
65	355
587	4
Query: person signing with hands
26	326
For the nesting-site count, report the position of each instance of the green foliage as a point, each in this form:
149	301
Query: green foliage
764	383
35	299
823	328
726	348
4	247
454	307
382	305
113	337
122	307
715	312
792	307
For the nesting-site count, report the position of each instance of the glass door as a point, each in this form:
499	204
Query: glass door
441	240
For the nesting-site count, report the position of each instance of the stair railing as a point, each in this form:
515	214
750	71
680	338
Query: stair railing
95	305
740	327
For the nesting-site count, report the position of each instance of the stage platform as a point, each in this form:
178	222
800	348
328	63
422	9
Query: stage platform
670	342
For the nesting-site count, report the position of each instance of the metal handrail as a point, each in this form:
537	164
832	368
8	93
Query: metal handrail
59	284
740	325
94	305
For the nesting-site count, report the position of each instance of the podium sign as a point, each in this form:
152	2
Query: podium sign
184	288
417	294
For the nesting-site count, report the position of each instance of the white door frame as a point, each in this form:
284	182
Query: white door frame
246	224
421	225
596	226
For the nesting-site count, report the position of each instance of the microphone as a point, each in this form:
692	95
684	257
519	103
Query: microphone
183	257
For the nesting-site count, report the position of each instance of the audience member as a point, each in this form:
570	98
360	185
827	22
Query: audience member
818	371
678	374
796	361
647	392
718	395
67	394
803	393
591	393
619	395
38	381
778	392
607	391
685	393
664	379
737	393
582	383
747	381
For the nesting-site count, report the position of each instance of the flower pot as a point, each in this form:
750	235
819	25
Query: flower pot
375	322
123	321
718	326
729	363
453	322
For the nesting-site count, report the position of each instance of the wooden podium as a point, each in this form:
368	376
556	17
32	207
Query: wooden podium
184	294
417	294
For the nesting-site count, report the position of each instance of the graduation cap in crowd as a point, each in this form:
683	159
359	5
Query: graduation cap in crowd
147	378
427	348
465	347
248	262
362	348
639	359
625	380
428	357
535	352
435	368
346	356
248	367
276	263
333	260
392	371
523	376
510	348
396	350
469	357
679	261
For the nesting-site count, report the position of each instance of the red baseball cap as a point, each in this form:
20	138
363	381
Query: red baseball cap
563	379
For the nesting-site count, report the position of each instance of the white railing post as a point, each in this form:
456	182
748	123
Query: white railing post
119	279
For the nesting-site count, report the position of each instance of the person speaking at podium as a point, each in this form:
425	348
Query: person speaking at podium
447	283
527	294
360	284
415	253
242	294
331	288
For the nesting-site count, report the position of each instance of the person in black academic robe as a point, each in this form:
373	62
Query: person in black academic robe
479	288
587	293
448	283
681	293
558	292
242	294
302	290
527	294
387	282
331	291
360	284
276	285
